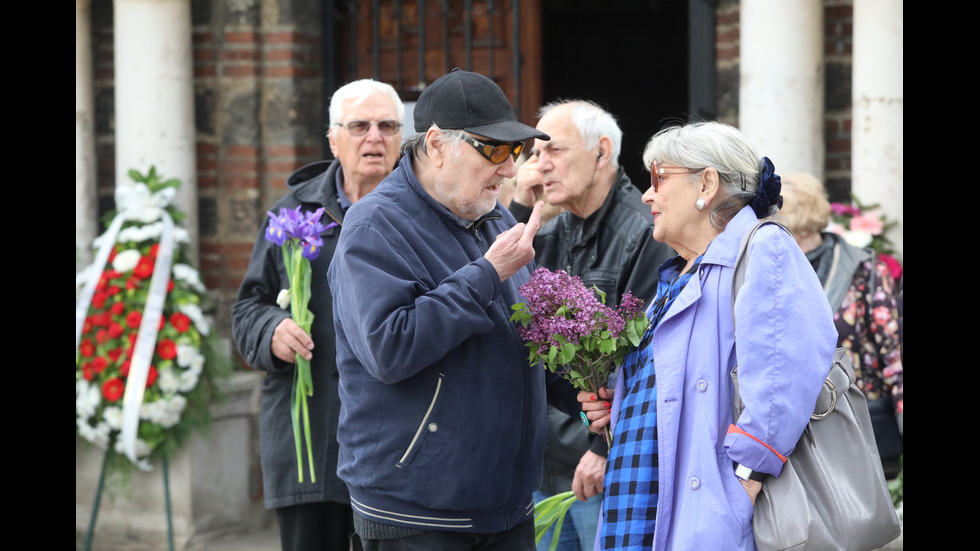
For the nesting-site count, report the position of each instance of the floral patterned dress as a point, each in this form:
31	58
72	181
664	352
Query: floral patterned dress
867	325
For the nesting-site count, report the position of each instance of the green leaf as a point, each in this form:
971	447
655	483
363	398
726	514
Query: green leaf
567	353
173	182
549	511
294	413
635	330
601	293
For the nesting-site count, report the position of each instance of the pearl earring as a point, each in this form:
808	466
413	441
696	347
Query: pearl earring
699	204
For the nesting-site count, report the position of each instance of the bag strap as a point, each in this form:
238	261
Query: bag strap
738	278
846	260
743	257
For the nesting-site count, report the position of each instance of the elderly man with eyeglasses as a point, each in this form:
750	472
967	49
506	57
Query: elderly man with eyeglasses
365	133
604	235
442	421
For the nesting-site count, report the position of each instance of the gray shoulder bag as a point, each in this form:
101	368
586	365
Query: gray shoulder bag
831	493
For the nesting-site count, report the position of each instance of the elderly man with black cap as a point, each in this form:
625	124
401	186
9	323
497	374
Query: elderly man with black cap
442	422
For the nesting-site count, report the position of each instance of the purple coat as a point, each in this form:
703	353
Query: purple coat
785	346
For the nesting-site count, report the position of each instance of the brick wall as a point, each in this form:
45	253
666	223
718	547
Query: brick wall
727	55
838	32
259	116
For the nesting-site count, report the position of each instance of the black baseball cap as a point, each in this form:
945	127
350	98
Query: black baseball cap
461	100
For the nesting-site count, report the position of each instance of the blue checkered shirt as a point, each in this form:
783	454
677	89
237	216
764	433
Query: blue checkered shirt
631	479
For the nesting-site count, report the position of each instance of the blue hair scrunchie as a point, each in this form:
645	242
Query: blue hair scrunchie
768	193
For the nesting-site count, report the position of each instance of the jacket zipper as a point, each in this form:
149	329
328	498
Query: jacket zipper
475	226
425	420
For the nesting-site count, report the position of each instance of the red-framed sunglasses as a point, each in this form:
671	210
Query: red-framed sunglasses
657	173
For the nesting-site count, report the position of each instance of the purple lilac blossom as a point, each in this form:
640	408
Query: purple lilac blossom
629	306
561	304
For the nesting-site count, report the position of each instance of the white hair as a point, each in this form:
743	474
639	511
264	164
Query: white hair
593	122
359	90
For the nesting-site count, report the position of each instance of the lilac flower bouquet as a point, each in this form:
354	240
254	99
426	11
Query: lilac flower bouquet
569	328
298	234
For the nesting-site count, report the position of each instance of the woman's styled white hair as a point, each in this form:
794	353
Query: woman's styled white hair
700	145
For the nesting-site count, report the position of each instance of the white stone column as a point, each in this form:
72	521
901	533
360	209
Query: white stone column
781	86
878	108
86	199
155	97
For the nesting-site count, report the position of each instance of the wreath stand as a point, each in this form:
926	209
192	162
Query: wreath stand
98	500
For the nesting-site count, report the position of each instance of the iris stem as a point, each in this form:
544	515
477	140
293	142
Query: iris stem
299	281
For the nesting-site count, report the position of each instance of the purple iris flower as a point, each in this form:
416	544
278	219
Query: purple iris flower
304	227
311	247
308	224
277	232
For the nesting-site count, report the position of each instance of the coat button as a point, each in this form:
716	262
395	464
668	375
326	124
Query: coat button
702	385
433	427
694	483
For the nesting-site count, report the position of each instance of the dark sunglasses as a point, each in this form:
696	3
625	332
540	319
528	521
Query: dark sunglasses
360	128
657	174
495	152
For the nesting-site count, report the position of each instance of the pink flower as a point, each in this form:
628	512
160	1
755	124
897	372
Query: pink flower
834	227
894	266
840	209
869	223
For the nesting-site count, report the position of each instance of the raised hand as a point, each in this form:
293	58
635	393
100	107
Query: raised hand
514	248
530	184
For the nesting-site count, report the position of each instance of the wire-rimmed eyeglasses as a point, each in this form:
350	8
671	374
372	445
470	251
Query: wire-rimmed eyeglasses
360	128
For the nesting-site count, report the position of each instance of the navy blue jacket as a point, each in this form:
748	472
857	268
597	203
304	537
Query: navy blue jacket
442	421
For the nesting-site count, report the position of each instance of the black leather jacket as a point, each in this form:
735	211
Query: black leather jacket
615	250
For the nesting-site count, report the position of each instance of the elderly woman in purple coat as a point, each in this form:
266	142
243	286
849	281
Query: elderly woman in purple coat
681	474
